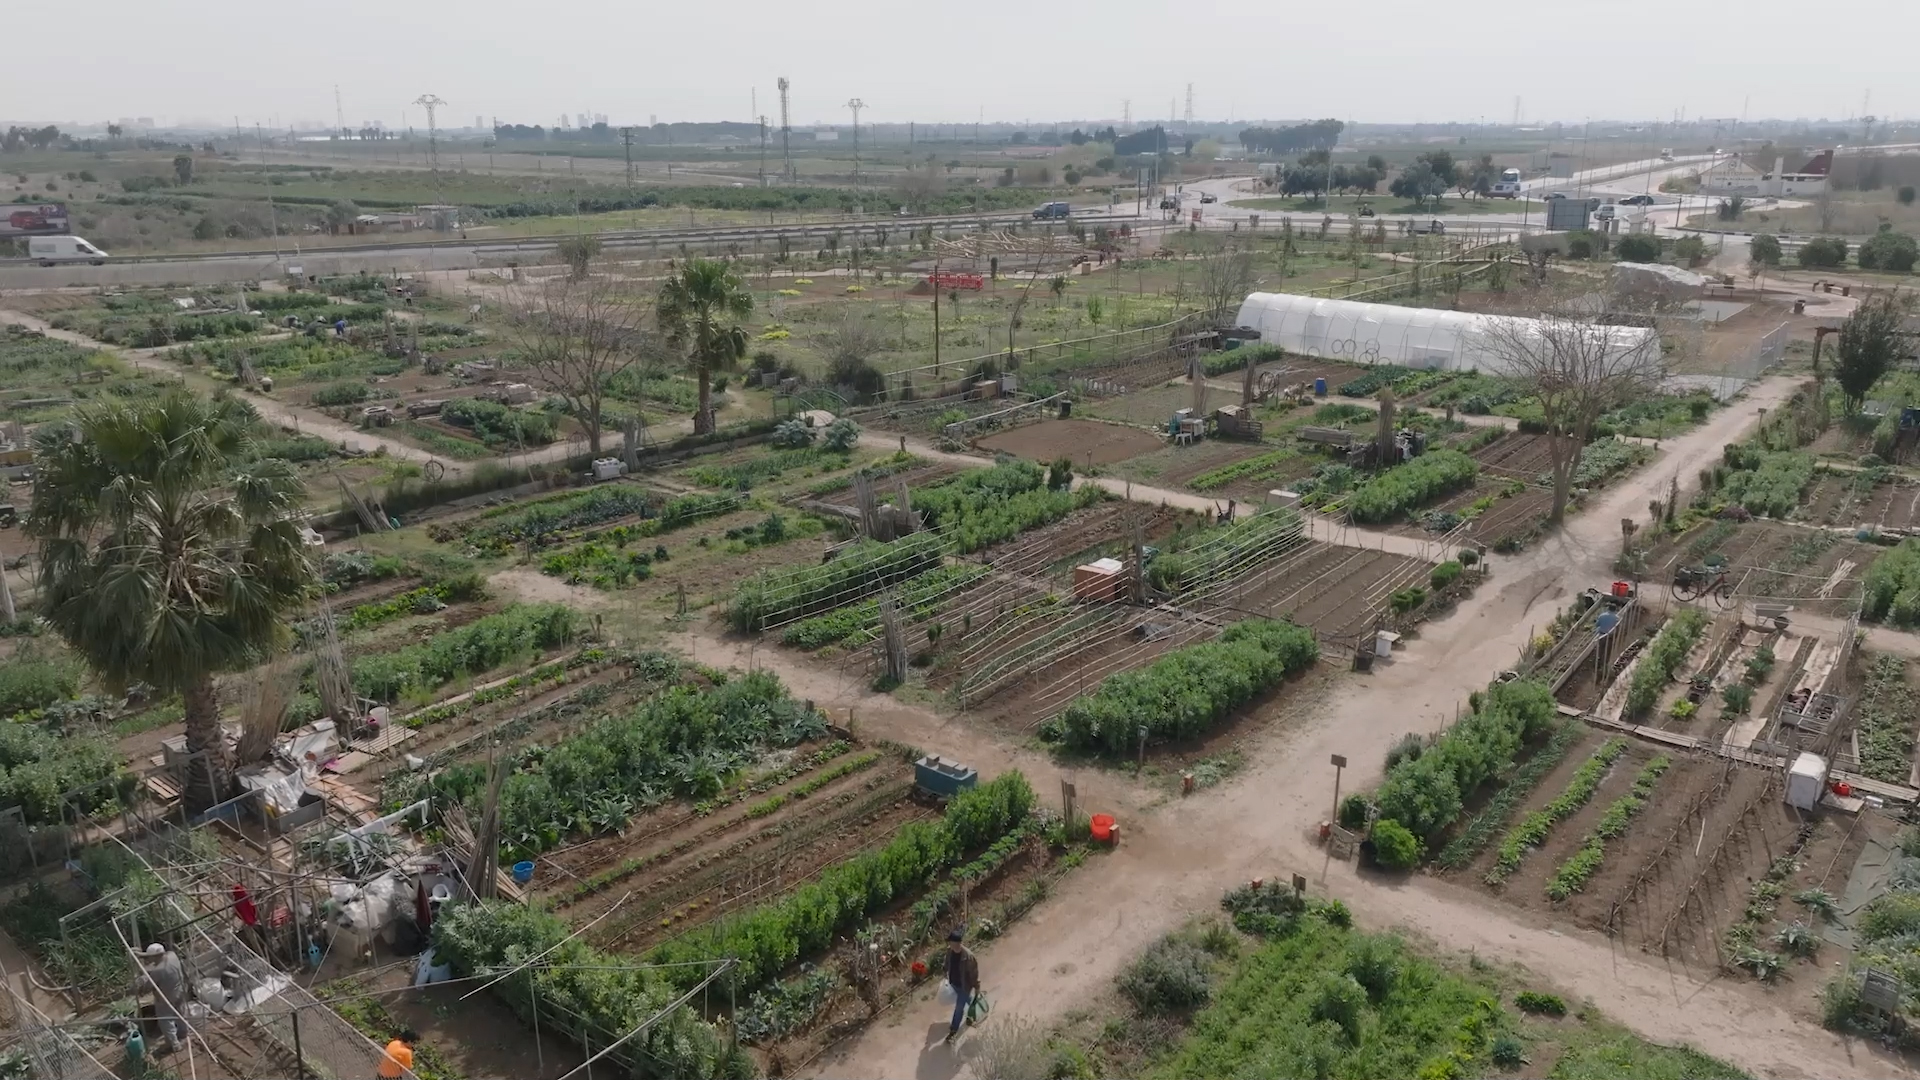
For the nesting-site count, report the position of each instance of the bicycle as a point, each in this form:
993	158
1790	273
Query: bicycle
1690	583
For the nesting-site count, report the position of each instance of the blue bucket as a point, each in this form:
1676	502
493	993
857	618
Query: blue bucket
1319	388
523	872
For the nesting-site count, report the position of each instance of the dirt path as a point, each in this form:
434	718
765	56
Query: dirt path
1175	859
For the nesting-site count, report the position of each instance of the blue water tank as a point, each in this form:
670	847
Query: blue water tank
1319	388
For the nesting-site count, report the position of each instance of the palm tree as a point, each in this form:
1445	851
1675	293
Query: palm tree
700	310
168	553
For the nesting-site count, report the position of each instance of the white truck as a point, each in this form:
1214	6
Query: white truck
1508	186
48	250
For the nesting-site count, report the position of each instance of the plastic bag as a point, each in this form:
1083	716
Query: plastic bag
978	1008
946	992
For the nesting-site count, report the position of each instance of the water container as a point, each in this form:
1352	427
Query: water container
1319	388
523	872
313	954
1102	827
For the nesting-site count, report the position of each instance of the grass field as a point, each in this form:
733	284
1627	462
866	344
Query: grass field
1388	205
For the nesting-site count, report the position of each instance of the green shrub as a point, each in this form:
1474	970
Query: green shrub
1638	247
1533	1001
49	775
1340	1000
985	506
1394	845
1407	486
1443	575
1738	698
1353	811
1172	975
1892	588
1890	915
500	426
1772	486
1823	253
1889	250
1187	691
29	682
1375	963
1469	840
342	393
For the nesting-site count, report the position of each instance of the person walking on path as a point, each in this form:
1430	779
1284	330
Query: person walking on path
963	974
397	1060
168	978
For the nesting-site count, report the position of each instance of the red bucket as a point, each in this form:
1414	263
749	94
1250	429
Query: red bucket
1103	827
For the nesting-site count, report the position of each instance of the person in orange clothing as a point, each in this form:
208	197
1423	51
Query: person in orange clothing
397	1061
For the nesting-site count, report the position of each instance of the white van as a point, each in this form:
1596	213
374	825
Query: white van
47	250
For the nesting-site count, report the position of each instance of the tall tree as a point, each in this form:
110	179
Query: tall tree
169	552
1867	345
183	169
1578	366
699	311
579	336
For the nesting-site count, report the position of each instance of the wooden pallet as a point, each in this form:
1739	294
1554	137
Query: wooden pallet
390	736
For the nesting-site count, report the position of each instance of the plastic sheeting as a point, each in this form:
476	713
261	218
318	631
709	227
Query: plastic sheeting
1362	333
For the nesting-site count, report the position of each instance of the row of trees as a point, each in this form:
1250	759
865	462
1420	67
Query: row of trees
1432	174
19	138
1318	135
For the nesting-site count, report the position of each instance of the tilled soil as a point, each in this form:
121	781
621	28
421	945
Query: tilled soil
1084	441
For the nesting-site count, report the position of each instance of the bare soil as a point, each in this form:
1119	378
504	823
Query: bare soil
1084	441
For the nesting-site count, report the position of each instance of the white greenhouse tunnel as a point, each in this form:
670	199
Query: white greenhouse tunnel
1363	333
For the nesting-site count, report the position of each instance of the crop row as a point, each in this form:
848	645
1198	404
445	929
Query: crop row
1893	586
686	742
1471	838
1413	484
1245	467
1886	715
1187	691
846	768
1532	829
1656	666
479	646
774	597
1425	793
1584	863
764	941
1768	484
917	597
985	506
424	600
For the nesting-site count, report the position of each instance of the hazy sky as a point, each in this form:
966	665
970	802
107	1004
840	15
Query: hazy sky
1389	60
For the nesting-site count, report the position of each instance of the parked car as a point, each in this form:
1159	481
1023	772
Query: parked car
1052	210
1638	200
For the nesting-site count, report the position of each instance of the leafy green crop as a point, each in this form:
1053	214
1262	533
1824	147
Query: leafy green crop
918	597
479	646
1410	485
1772	488
1657	665
40	769
1189	690
1472	837
590	996
1426	793
1584	863
1893	586
765	940
1245	468
1532	829
1885	717
773	597
986	506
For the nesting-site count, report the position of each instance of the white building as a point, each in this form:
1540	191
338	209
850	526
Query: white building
1362	333
1732	176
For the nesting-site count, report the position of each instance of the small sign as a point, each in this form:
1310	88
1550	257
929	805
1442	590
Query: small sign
1339	761
1300	884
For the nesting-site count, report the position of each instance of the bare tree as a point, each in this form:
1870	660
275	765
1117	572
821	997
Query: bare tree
1579	361
577	252
921	185
1225	278
577	336
849	346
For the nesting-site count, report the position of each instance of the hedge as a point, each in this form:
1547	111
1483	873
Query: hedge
1189	690
767	939
1426	793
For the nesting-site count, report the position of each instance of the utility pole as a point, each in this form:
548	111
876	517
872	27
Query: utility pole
339	114
1189	104
431	102
273	215
1126	114
626	136
855	104
786	131
763	151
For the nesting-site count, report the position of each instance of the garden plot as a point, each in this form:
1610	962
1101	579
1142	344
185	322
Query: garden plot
1084	442
1865	499
1340	592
